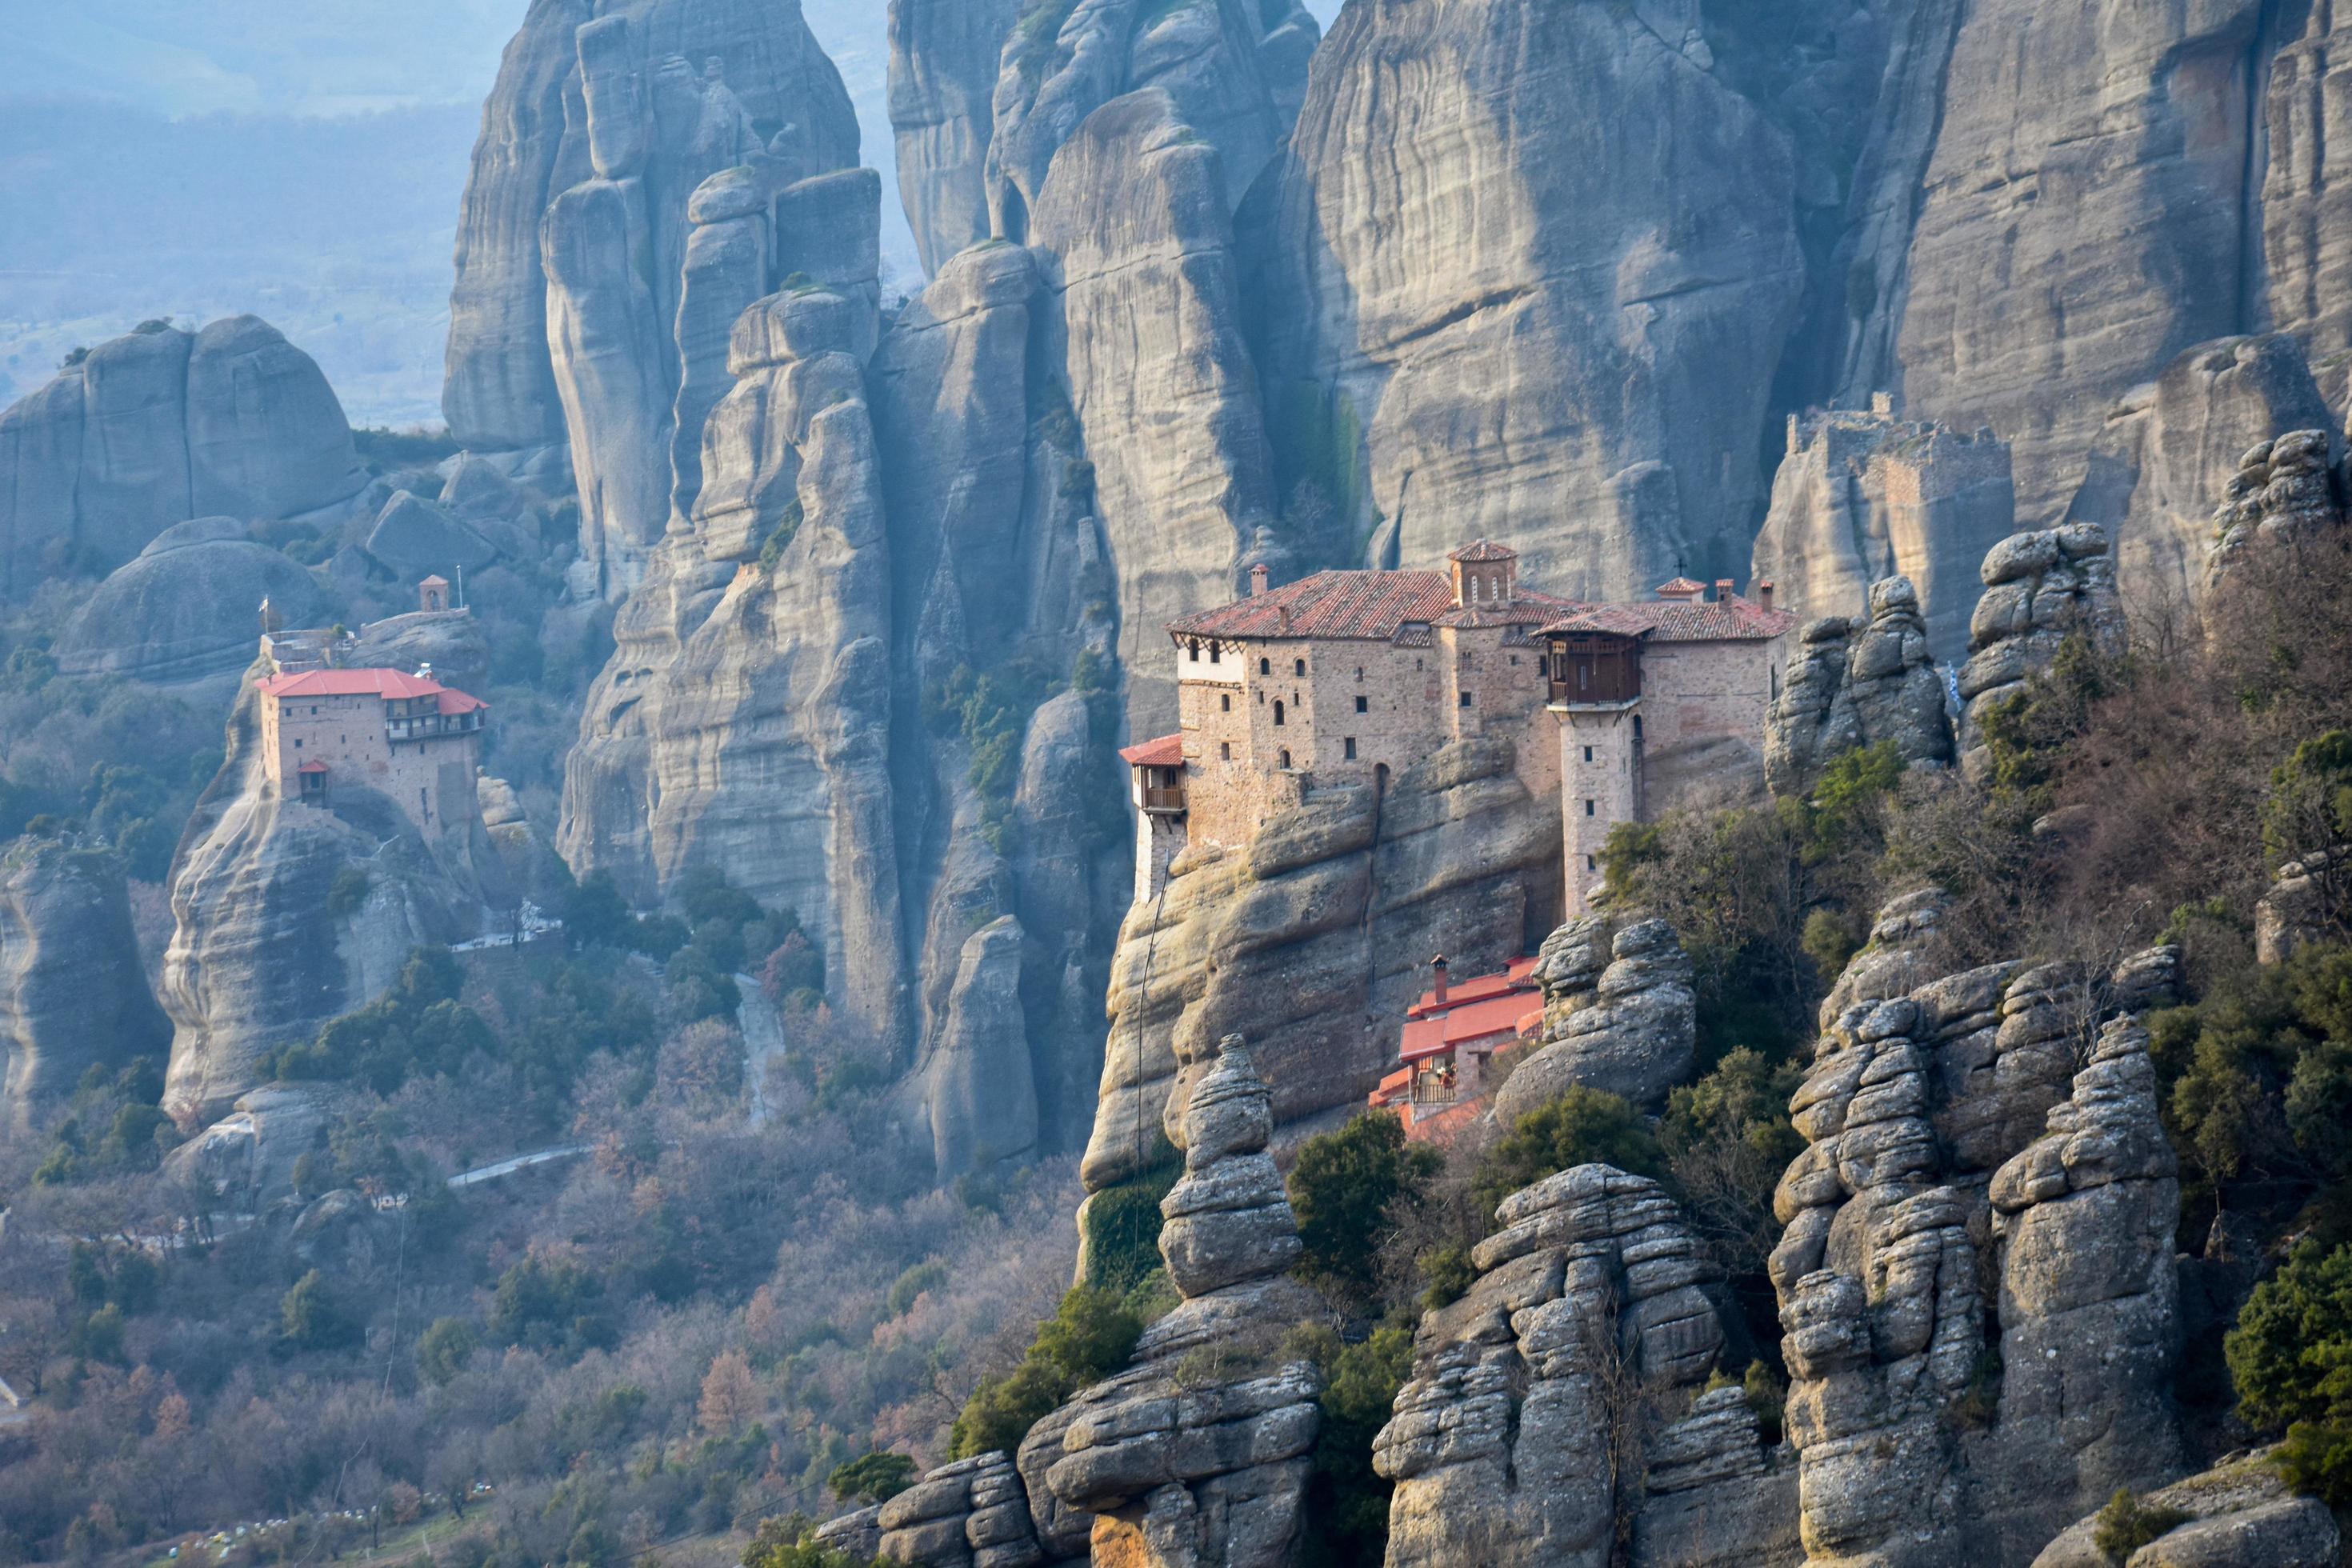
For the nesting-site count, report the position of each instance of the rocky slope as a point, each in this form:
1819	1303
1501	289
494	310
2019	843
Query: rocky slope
155	427
72	994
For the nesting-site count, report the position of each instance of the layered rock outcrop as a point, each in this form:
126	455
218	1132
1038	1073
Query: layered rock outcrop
1311	935
72	993
1556	1412
2285	489
1853	684
2041	589
1197	1456
1630	1028
1930	1181
1862	497
187	607
971	1513
158	426
1488	301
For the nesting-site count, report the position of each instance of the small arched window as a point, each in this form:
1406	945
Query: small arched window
1225	704
1216	654
1196	653
1298	667
1277	714
1266	666
1286	757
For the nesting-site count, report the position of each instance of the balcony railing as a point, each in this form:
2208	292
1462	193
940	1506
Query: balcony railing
427	729
1167	802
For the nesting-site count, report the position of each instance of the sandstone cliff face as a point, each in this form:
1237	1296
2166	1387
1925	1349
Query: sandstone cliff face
1313	935
2097	168
1927	1180
1144	321
72	994
943	67
2306	212
1851	685
566	319
254	964
2040	588
1489	301
1863	497
158	426
1556	1409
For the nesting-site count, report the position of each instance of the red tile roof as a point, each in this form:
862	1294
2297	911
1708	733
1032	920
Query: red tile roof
1680	588
311	767
1485	550
1373	604
1519	976
1497	1017
1731	619
388	684
1167	752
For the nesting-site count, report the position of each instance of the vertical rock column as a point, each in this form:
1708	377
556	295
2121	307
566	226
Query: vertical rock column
1853	685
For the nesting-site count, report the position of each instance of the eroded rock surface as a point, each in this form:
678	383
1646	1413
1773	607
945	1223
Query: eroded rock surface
1560	1400
2283	490
1313	935
944	57
158	426
2040	588
1930	1179
72	993
1630	1030
2240	1515
187	607
1854	684
1489	301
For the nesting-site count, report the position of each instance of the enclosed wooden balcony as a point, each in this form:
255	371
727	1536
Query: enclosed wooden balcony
1595	670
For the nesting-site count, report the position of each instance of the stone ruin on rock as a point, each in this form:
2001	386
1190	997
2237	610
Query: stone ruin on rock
1197	1455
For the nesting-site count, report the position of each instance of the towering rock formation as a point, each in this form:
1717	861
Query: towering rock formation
158	426
1312	935
572	247
743	722
1629	1029
2306	197
2283	490
2053	204
1925	1181
1555	1412
1852	685
1181	1464
72	996
1488	300
1224	75
1862	497
2040	588
944	57
1144	320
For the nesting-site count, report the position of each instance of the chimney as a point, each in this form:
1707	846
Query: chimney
1282	616
1764	592
1258	575
1723	588
1437	981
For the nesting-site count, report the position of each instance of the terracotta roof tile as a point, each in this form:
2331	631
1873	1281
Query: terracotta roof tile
1485	550
1732	619
389	684
1370	605
1167	752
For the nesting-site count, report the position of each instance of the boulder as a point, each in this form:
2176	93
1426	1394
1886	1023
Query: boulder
1631	1033
188	607
2285	489
414	538
2239	1514
2041	587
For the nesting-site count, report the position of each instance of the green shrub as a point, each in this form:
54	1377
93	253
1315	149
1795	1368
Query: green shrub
872	1478
928	1275
1346	1189
779	538
312	1316
443	1349
1122	1228
2126	1524
1584	1126
2317	1459
1346	1503
1090	1336
348	891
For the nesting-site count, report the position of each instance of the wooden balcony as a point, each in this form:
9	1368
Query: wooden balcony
1595	672
1165	800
